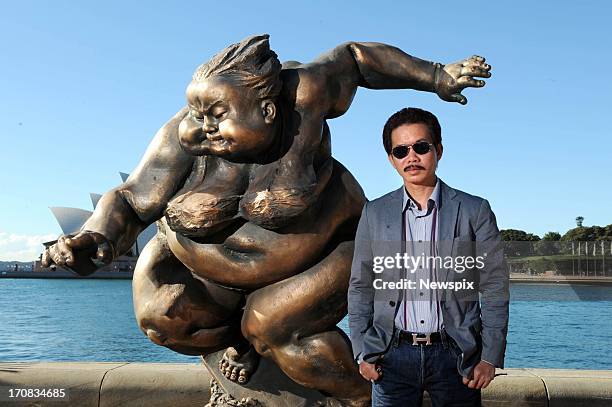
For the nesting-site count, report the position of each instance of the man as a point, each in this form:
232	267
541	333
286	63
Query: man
419	337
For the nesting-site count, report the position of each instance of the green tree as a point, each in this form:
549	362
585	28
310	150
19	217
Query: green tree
518	243
549	245
552	236
516	235
588	233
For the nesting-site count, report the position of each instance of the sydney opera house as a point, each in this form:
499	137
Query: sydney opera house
72	219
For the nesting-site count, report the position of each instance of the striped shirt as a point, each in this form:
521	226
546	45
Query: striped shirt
419	310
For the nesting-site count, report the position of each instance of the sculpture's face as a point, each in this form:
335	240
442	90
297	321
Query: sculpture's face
227	120
415	169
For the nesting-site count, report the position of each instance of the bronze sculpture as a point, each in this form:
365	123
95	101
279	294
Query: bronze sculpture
256	219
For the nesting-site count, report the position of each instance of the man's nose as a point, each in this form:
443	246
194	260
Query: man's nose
412	156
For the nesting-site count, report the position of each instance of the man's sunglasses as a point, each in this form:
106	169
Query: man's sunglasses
420	147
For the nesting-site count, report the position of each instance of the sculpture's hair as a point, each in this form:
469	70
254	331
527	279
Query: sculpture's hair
249	63
411	115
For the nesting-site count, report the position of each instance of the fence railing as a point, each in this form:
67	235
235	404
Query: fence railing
591	259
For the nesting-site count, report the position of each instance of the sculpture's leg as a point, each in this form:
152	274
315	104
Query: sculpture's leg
179	312
294	323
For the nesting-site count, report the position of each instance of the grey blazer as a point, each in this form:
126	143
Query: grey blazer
467	226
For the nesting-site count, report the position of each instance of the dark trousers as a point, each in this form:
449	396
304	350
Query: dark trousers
408	370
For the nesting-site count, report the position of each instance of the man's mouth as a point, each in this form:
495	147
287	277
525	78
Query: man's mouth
411	168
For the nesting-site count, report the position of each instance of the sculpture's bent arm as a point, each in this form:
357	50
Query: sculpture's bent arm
123	212
371	65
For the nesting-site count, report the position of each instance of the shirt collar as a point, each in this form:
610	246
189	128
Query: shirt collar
435	197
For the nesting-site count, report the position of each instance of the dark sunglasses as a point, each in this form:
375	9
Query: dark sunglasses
420	147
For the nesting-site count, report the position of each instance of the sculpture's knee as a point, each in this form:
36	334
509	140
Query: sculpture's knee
188	337
162	330
251	330
155	334
263	331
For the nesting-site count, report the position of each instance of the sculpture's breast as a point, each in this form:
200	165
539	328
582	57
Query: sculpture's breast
208	202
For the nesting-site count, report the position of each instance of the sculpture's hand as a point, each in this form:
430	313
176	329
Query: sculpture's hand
453	78
83	253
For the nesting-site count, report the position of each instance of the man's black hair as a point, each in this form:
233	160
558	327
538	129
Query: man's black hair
412	115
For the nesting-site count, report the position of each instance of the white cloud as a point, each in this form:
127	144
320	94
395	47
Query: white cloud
22	247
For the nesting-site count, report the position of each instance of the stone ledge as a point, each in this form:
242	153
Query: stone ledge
111	384
568	388
81	380
162	384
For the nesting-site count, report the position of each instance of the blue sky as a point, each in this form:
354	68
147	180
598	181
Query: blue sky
85	85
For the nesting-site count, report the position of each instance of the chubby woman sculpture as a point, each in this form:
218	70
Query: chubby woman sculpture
256	219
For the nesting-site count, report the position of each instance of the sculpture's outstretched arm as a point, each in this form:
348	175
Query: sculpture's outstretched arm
123	212
380	66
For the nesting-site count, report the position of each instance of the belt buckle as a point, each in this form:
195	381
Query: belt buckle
416	340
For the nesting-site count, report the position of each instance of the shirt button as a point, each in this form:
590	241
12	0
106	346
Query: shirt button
392	303
421	294
422	321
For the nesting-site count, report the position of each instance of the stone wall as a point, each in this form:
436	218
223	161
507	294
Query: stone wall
173	384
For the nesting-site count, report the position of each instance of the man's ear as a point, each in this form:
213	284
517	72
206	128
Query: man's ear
268	110
439	150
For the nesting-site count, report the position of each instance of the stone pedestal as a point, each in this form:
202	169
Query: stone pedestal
268	387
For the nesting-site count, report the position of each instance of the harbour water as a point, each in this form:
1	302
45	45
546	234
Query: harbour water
551	326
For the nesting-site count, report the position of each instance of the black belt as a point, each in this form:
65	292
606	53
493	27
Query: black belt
420	339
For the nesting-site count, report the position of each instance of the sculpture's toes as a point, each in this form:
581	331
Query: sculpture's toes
239	367
233	374
244	376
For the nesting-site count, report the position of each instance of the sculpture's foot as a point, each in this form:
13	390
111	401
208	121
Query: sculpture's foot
239	367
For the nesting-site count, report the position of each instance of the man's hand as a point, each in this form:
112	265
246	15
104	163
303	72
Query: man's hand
370	371
453	78
483	374
84	252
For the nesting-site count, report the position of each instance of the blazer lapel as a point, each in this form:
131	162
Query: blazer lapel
393	217
392	234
